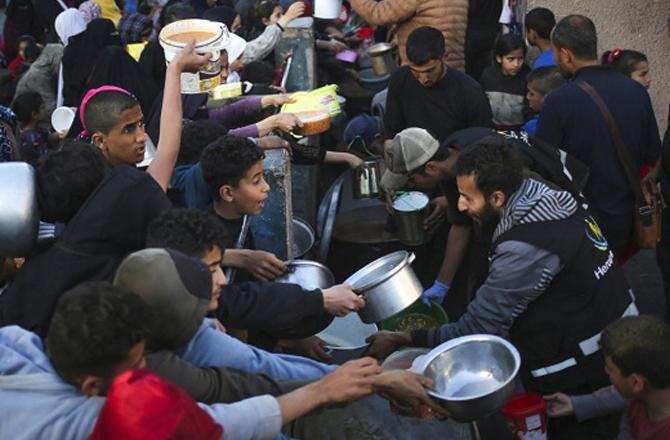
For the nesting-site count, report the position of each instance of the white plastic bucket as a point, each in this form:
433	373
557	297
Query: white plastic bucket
327	9
210	75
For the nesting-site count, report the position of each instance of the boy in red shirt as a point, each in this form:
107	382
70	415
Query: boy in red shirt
637	360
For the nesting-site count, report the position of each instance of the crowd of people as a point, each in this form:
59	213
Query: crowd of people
542	159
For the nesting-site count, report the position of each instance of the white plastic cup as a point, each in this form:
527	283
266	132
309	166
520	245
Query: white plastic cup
327	9
62	119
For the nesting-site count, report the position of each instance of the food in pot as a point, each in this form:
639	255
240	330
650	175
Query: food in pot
315	122
187	37
415	321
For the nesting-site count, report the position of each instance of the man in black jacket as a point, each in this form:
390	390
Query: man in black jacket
552	283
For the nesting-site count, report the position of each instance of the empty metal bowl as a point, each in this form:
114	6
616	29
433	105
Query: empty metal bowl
307	274
474	375
303	237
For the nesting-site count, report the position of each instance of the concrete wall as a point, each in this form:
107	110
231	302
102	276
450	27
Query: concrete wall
629	24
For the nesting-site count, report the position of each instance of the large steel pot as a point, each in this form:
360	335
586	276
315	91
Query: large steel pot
473	375
388	285
345	338
381	58
307	274
19	215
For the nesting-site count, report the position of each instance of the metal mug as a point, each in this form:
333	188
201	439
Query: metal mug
411	209
366	180
381	58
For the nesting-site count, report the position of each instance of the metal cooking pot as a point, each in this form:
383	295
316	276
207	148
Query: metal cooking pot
345	338
307	274
303	238
388	284
365	180
19	216
411	209
381	58
473	375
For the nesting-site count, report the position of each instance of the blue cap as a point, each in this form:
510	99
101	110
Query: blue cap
363	126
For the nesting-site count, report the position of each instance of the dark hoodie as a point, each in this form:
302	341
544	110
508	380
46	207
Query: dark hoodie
111	223
178	289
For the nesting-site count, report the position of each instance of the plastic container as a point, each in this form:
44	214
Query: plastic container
210	37
62	119
307	108
526	414
327	9
327	96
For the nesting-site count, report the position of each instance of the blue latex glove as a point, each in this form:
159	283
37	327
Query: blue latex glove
436	293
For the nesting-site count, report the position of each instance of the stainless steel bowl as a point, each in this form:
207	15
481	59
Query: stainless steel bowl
303	237
474	375
345	338
19	216
388	284
307	274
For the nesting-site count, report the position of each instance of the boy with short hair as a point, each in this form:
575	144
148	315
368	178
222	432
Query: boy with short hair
113	119
539	23
637	361
233	170
281	310
540	82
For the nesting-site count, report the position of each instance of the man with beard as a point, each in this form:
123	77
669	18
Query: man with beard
552	284
570	120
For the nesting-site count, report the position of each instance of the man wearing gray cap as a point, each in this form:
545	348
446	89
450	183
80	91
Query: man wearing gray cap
416	158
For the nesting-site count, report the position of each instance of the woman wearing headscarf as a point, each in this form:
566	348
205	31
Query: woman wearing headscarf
21	20
116	68
135	28
68	24
90	10
81	55
42	77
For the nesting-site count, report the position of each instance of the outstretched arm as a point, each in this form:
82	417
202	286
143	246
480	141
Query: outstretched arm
171	117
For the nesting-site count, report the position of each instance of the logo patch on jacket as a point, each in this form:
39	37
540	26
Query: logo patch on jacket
594	234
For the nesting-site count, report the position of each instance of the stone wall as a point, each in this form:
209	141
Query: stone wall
629	24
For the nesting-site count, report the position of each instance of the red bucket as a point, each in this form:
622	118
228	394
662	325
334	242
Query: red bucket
527	416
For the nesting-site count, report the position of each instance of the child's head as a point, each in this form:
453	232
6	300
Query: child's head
66	178
539	23
28	108
540	82
114	120
31	53
233	169
637	354
195	136
23	42
97	332
268	12
197	234
509	53
631	63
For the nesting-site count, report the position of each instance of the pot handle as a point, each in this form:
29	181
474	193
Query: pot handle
411	258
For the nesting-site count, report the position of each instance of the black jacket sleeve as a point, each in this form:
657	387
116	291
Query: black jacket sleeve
281	310
215	385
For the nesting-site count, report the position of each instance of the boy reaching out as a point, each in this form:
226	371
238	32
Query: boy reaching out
113	119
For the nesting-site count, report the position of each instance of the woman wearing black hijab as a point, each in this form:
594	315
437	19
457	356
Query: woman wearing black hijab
81	56
116	68
21	20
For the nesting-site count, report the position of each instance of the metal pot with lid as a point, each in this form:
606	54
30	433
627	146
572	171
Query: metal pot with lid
388	285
